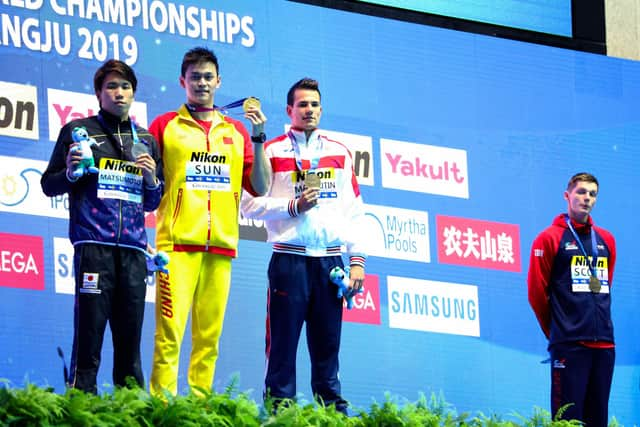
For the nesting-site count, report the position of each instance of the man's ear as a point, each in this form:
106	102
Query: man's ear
182	83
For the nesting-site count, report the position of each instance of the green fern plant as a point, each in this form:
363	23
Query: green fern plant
30	407
131	406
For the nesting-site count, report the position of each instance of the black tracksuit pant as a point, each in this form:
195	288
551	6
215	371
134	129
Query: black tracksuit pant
581	376
110	287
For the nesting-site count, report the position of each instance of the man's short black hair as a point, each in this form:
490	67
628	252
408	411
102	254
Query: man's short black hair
304	83
198	55
114	66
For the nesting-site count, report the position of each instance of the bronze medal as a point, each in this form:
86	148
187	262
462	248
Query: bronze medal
250	102
594	284
312	180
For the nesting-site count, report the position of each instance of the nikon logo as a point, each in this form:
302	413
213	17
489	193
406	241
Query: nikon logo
18	111
328	173
205	157
119	166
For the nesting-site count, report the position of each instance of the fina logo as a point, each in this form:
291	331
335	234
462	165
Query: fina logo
396	233
20	189
14	192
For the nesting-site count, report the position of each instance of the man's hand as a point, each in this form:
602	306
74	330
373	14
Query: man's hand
260	169
356	277
73	159
148	166
308	199
257	119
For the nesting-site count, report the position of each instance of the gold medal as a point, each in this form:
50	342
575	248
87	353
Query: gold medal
312	180
594	284
250	102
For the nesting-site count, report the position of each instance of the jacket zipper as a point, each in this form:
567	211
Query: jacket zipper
177	208
120	201
208	243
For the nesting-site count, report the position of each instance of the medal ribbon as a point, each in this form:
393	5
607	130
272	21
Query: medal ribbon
223	109
296	152
134	133
594	247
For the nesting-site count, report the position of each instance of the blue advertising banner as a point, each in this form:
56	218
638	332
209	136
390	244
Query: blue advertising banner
463	146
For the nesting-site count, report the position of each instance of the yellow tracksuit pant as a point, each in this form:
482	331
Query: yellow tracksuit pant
197	282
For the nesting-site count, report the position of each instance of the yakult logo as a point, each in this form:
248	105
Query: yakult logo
396	233
65	106
424	168
21	261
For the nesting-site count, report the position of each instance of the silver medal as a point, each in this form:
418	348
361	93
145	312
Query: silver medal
138	149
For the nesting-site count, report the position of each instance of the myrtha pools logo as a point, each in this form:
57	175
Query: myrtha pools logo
397	233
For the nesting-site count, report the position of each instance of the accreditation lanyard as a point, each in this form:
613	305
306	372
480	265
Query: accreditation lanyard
594	247
315	159
134	133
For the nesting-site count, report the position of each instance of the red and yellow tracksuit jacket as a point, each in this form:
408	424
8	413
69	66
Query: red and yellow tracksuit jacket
195	220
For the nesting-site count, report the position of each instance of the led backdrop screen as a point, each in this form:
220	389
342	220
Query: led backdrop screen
463	146
545	16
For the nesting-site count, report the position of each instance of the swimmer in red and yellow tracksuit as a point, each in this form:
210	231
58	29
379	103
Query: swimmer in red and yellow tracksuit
208	163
